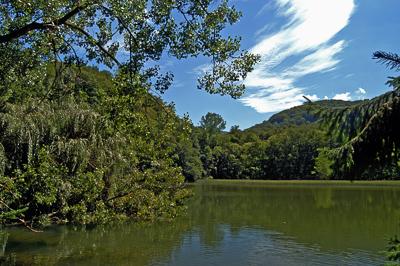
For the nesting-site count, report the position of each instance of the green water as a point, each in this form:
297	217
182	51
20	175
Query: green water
233	223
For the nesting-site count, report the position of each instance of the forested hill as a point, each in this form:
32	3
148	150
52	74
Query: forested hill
302	114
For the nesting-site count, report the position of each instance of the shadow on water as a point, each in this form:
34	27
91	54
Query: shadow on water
231	224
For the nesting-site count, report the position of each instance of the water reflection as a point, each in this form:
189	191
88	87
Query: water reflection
232	224
120	245
248	248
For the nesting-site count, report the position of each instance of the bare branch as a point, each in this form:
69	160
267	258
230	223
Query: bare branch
307	99
28	226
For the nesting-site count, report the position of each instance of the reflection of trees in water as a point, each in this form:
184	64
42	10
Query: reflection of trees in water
4	259
323	198
3	242
119	244
333	218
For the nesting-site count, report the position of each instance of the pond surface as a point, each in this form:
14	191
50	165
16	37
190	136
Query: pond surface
233	223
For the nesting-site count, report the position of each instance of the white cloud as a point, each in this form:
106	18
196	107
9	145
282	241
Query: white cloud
361	91
266	103
311	26
346	96
313	97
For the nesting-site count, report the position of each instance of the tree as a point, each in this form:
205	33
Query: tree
212	123
367	134
187	152
75	151
101	30
227	161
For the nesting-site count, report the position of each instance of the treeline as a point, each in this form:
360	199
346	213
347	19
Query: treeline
292	144
283	151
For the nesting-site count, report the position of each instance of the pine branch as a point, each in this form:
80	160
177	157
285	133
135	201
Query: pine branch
391	60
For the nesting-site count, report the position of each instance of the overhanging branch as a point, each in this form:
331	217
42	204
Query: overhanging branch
93	41
15	34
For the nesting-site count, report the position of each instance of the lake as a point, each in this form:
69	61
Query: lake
234	223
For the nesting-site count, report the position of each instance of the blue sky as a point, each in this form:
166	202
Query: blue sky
318	48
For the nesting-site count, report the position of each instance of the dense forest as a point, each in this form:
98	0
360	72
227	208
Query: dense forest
328	139
84	146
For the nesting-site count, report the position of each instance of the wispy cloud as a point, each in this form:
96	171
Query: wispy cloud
201	69
178	84
308	33
264	29
266	7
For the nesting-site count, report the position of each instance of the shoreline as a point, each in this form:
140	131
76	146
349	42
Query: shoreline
341	183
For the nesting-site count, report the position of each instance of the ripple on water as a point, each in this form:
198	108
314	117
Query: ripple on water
255	246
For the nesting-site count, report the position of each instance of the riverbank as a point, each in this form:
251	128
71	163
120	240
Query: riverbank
342	183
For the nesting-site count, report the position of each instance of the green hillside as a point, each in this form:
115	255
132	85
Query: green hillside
300	115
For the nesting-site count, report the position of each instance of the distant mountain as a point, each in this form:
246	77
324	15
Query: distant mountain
300	115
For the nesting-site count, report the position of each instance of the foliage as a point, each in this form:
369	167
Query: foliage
374	146
66	163
86	84
82	146
212	123
367	135
277	152
323	164
187	152
393	251
291	154
391	60
49	31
